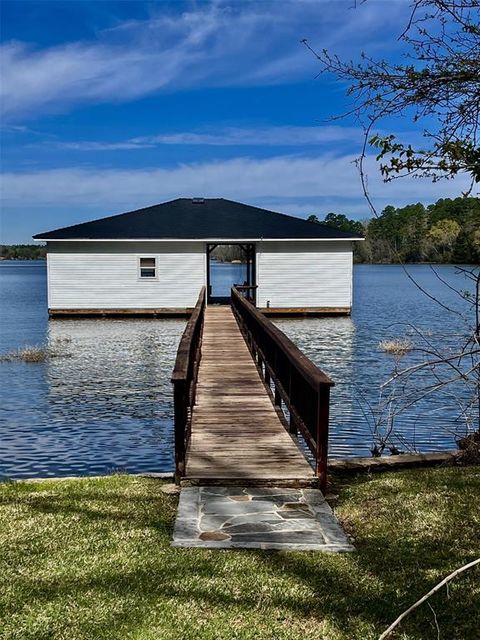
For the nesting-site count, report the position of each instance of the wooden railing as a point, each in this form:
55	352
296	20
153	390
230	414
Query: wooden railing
300	384
184	379
249	291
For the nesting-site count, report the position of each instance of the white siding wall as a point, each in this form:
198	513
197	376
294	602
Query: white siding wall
104	275
304	274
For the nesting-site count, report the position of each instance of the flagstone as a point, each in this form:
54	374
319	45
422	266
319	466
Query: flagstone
257	518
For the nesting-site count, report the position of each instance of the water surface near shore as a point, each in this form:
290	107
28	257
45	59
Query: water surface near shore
106	404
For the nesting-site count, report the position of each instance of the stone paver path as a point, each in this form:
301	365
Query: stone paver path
257	518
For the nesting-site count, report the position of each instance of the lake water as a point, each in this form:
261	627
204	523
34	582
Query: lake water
224	275
106	403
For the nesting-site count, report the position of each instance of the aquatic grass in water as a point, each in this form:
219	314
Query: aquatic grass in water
39	353
27	354
396	347
32	354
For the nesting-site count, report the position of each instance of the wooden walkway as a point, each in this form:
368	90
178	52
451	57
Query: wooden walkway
236	433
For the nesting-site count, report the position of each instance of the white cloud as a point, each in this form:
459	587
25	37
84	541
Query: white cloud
92	145
233	136
292	184
210	45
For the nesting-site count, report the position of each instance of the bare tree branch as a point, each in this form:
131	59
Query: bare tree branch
436	588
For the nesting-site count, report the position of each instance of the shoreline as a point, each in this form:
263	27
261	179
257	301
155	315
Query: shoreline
355	464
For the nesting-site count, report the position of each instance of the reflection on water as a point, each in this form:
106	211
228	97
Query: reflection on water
107	403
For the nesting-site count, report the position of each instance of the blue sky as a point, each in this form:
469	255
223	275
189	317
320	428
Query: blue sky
111	106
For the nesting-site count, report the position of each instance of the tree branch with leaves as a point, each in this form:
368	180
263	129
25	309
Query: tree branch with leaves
437	81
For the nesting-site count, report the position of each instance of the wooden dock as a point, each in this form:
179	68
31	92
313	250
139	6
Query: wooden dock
236	432
236	379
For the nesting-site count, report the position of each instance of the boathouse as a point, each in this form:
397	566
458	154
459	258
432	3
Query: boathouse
155	260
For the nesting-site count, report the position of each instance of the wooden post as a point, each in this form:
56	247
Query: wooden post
252	345
292	395
278	397
267	377
293	425
254	275
180	399
323	413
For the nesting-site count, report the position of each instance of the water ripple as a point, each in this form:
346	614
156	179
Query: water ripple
107	403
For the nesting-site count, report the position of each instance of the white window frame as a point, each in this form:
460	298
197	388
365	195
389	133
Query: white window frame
139	268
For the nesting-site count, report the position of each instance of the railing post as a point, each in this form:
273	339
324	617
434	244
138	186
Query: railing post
180	399
291	394
323	413
293	426
277	397
267	377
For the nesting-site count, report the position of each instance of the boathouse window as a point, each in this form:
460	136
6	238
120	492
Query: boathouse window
147	268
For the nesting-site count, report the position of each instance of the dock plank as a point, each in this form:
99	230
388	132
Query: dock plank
237	435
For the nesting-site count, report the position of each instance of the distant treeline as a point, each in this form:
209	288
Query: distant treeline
22	252
447	231
228	252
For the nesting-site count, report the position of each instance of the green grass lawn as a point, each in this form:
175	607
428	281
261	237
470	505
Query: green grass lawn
91	559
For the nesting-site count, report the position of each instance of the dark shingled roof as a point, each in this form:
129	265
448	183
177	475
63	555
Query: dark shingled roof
197	219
